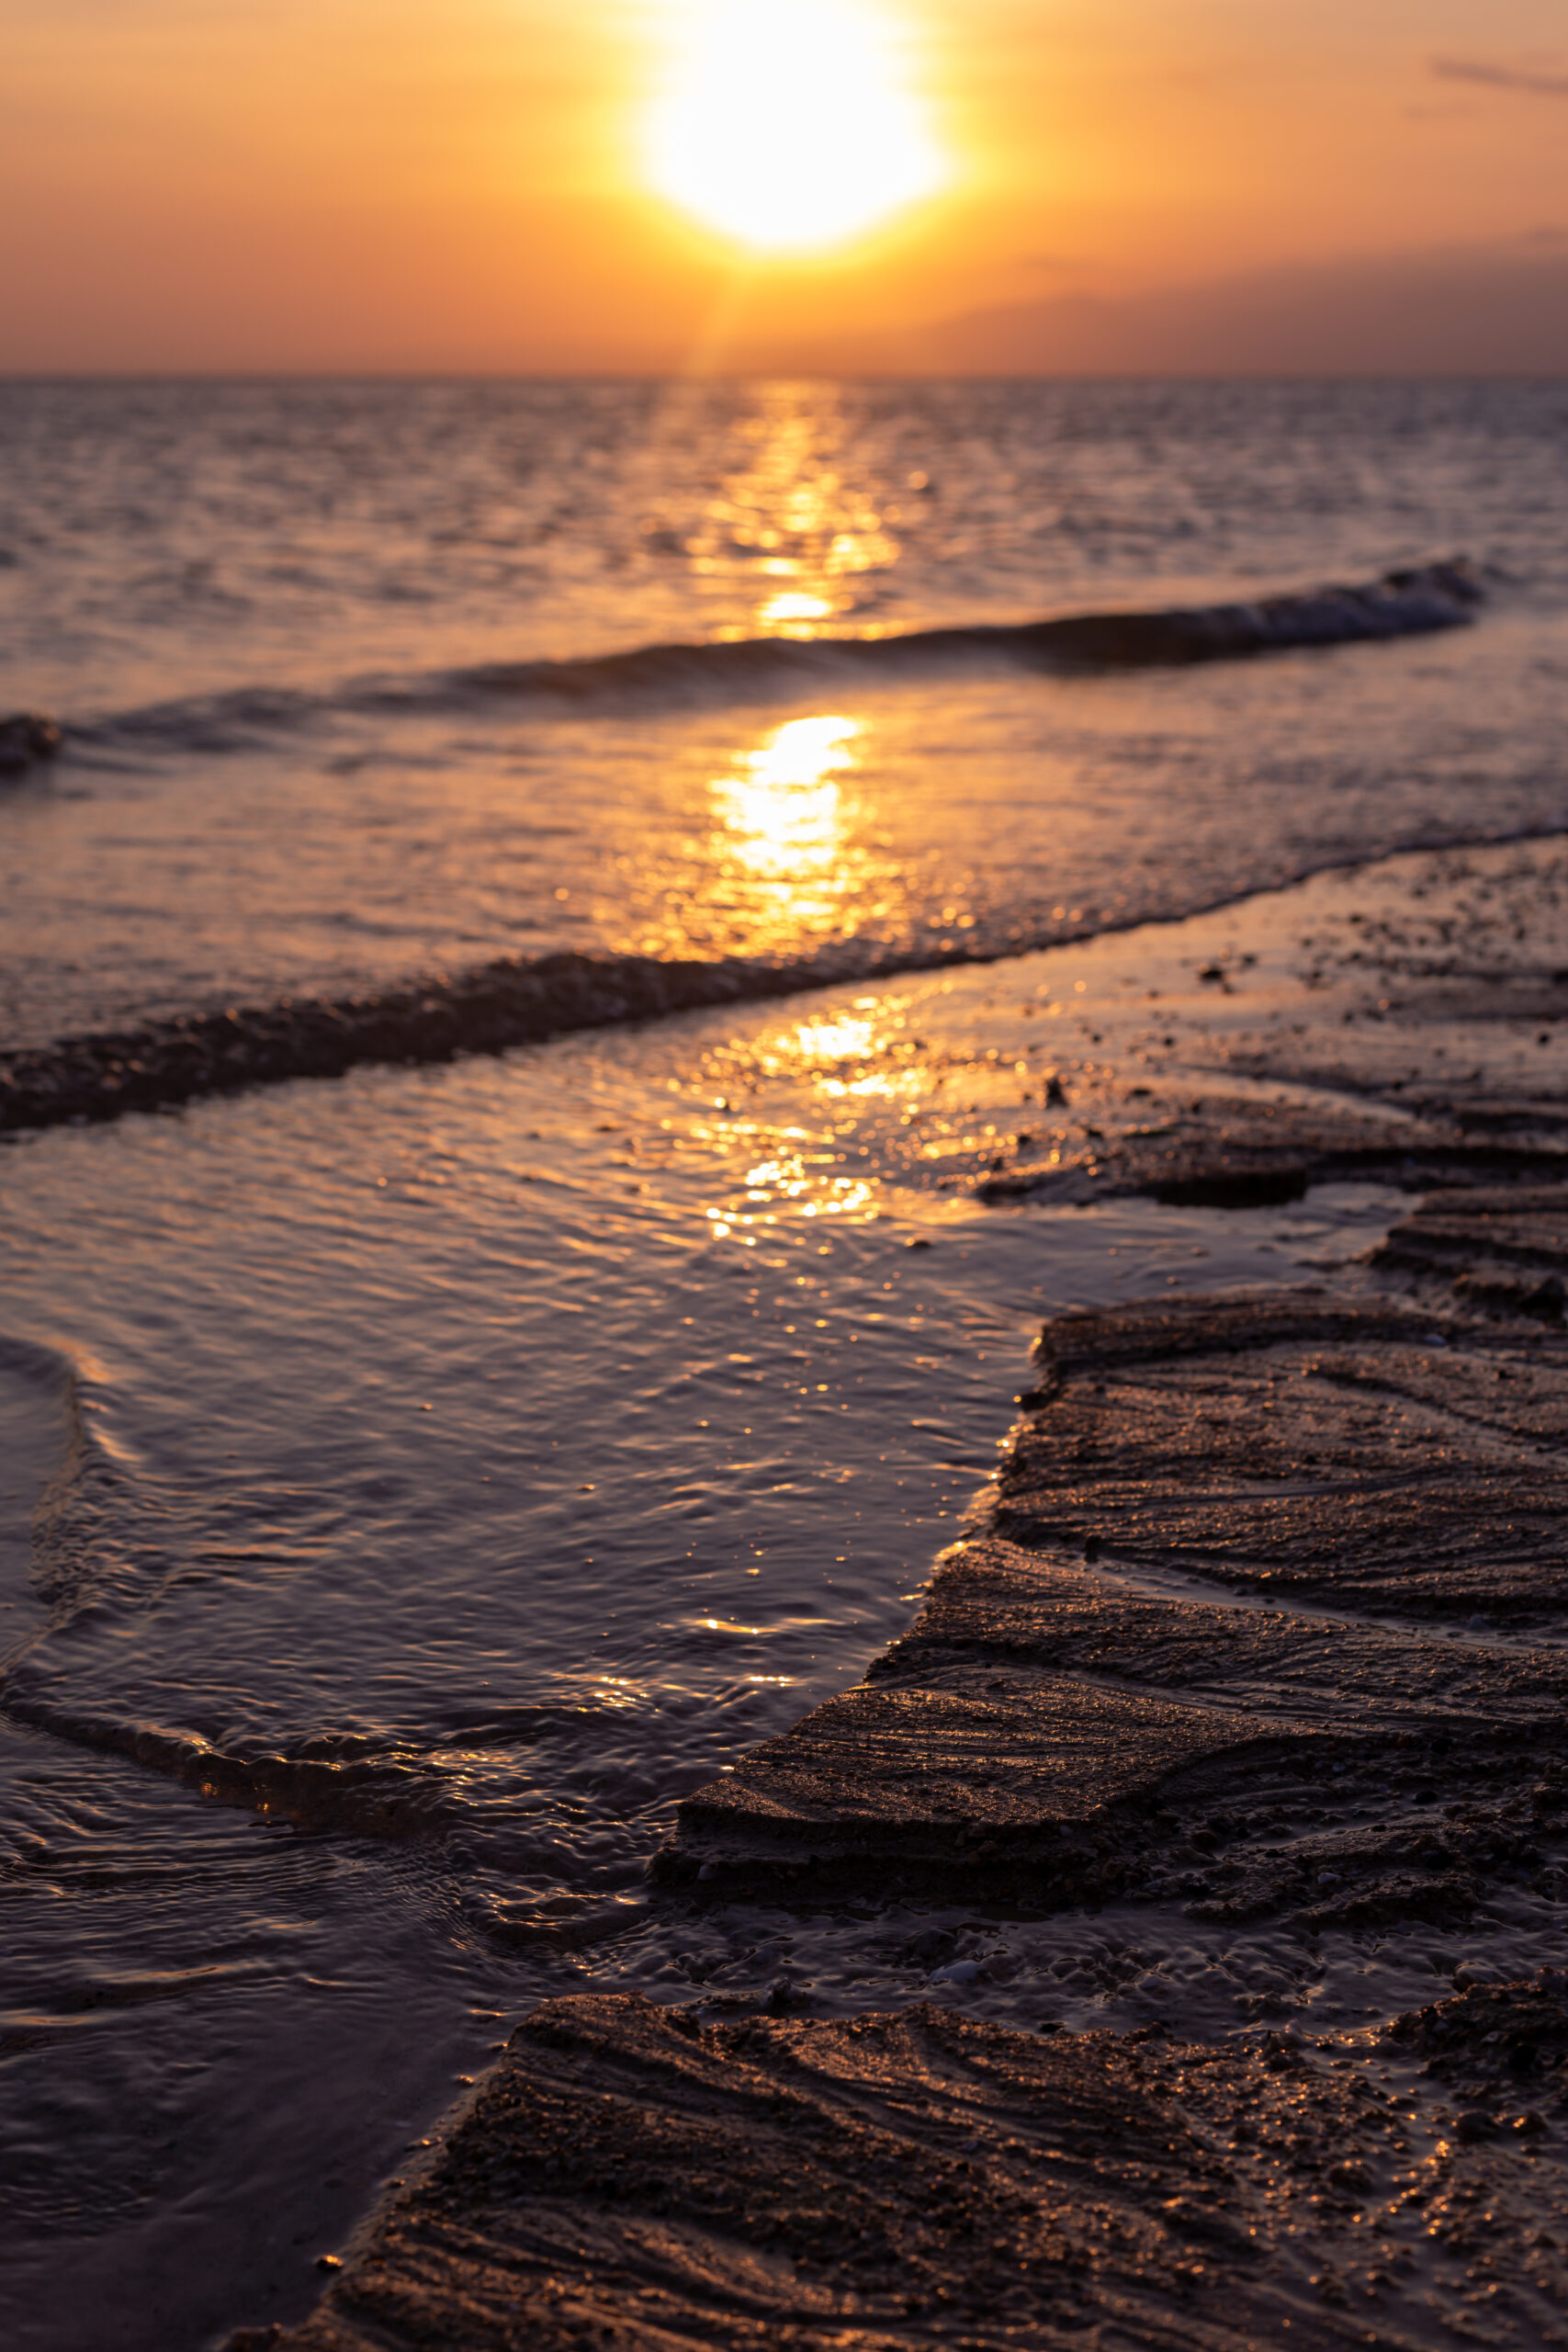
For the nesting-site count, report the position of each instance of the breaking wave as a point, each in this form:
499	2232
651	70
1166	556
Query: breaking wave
1401	604
165	1061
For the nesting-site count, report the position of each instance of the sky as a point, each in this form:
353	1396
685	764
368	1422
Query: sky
457	185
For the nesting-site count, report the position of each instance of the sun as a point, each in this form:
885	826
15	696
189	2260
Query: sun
787	125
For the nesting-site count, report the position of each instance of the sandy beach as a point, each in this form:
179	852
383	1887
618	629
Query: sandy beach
1241	1692
784	1178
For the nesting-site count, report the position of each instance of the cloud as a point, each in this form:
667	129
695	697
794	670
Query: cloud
1539	81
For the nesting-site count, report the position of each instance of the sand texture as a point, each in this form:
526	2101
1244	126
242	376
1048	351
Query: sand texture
629	2178
1293	1553
1259	1621
1364	1503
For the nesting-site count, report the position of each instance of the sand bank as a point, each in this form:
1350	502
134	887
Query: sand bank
1259	1622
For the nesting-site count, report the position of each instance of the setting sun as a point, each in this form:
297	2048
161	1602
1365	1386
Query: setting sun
787	125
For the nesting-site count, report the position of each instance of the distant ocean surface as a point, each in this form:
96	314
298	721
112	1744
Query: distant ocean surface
413	1484
285	625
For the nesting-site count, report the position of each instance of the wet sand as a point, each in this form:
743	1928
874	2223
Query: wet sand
630	2178
1258	1635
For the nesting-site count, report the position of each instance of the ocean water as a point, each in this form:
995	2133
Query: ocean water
284	624
413	1484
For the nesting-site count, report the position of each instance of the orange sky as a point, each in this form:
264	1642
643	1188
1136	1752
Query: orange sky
332	184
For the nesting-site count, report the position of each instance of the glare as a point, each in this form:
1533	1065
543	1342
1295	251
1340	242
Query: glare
787	850
804	751
780	610
784	813
835	1041
788	124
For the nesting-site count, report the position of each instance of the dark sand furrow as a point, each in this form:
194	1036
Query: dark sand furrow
1045	1735
1241	1155
1348	1452
995	1600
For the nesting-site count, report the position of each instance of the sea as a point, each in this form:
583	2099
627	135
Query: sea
415	1482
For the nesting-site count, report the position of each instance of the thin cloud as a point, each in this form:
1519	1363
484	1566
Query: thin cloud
1539	84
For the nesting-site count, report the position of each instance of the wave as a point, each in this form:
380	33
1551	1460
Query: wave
27	739
161	1063
158	1064
380	1797
1400	604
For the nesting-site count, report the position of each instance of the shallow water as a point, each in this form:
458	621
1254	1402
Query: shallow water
458	1498
414	1484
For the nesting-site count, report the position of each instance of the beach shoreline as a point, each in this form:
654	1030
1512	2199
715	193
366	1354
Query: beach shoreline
1289	1555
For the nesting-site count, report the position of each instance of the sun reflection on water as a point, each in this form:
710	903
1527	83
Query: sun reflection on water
795	606
791	1169
849	1037
801	514
784	838
788	1184
784	809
